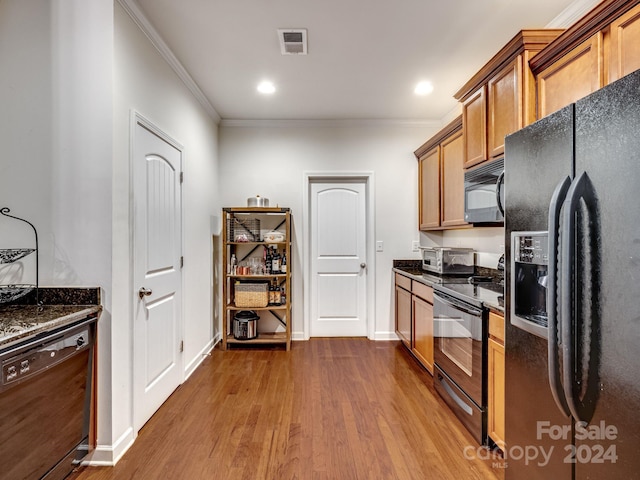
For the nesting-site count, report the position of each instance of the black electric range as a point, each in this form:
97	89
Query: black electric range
476	290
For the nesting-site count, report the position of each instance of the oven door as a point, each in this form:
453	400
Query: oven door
460	352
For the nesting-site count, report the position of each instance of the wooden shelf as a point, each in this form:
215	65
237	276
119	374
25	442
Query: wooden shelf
258	277
266	219
269	337
268	307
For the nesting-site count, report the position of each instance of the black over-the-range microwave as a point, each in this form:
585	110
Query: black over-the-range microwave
483	193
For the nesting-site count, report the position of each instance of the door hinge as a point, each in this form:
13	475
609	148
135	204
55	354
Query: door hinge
181	177
181	345
181	261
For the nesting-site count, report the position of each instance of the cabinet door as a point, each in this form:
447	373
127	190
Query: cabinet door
504	99
496	392
571	78
624	57
474	126
403	316
452	181
429	189
423	332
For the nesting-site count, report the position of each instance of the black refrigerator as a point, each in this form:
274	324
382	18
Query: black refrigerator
572	283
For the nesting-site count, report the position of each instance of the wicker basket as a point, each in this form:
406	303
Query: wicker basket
252	295
243	229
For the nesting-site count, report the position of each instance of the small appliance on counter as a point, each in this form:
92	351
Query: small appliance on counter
448	260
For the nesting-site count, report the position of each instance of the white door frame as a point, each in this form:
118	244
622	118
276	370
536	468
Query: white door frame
135	119
315	177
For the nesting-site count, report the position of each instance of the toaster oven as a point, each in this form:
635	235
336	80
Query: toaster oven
448	260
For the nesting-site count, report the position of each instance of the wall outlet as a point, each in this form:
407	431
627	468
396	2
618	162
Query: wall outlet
379	246
415	246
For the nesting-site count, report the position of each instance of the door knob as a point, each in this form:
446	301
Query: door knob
143	292
363	265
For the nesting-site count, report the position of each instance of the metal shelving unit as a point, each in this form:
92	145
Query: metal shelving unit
243	230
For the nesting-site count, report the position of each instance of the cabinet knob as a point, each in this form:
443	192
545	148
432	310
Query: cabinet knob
363	265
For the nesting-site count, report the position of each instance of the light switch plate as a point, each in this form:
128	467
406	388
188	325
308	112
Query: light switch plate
415	246
379	246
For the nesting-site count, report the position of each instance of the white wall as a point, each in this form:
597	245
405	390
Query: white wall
270	159
144	82
55	128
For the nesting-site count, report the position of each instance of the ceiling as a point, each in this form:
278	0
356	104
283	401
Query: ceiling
364	56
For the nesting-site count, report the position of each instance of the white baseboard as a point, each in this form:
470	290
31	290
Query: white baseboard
108	455
385	336
199	358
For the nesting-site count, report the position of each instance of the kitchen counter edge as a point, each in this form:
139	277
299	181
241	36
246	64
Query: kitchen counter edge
424	279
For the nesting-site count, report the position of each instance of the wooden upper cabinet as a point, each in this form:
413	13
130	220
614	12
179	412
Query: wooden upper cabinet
599	48
572	77
474	124
429	189
505	107
452	181
624	55
441	179
500	98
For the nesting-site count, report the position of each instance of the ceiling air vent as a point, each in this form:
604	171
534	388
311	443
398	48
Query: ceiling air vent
293	41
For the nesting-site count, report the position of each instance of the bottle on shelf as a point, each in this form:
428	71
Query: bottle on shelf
283	263
267	261
234	264
275	261
283	296
276	293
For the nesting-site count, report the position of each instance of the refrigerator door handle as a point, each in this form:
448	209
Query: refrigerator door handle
499	183
580	189
553	335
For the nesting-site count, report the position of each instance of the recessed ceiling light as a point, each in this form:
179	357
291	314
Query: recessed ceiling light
266	87
423	88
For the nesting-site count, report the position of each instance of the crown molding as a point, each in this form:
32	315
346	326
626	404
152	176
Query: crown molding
139	18
326	123
572	13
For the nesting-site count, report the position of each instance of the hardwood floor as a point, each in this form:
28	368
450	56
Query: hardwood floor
328	409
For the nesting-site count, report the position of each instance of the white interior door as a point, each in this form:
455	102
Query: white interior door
338	227
157	271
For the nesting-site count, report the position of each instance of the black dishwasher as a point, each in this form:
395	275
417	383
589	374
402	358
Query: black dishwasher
45	396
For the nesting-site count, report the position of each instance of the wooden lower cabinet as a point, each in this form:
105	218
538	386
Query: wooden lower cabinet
496	381
423	331
414	318
403	314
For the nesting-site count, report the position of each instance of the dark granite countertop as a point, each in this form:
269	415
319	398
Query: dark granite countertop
56	307
413	269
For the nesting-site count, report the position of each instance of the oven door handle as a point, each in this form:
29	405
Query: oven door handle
457	304
553	334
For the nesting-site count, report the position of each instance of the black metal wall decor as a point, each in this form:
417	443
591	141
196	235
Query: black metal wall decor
11	292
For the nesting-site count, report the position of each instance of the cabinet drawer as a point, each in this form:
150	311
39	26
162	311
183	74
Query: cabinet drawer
496	326
404	282
423	291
